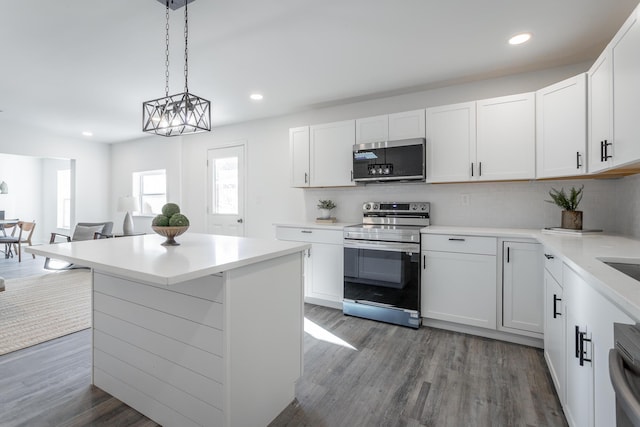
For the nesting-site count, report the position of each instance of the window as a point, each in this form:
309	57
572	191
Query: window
150	187
63	196
225	185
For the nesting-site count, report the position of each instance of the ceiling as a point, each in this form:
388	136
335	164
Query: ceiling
74	65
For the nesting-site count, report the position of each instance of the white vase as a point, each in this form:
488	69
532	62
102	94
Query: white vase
325	213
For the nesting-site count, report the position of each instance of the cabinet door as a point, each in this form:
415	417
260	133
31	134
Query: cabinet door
451	142
579	391
522	286
561	134
554	333
409	124
332	154
506	137
626	92
299	156
372	129
459	288
327	273
600	112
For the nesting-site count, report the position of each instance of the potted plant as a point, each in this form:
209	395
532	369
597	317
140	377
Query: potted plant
571	217
325	207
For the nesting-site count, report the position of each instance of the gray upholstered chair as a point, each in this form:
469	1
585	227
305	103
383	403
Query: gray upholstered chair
83	231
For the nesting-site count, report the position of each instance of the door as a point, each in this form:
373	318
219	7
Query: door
522	286
299	156
226	190
600	113
331	162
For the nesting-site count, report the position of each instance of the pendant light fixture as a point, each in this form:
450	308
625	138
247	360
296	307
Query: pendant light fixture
182	113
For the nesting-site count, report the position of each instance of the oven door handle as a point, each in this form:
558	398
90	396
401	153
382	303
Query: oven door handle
382	246
624	394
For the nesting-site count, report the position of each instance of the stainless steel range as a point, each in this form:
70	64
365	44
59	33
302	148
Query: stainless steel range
382	262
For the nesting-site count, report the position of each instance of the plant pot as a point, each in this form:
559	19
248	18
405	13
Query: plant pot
572	220
325	213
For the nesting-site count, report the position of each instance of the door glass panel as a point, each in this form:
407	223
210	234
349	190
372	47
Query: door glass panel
225	186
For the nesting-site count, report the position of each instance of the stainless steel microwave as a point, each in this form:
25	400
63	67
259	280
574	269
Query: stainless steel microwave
401	160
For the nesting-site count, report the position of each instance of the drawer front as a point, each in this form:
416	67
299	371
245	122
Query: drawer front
553	264
310	235
460	244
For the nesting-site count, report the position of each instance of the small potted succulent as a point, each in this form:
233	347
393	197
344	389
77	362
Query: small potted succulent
571	217
325	207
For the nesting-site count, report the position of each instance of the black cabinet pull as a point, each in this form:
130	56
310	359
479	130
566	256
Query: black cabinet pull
306	231
606	150
479	168
555	309
424	262
602	151
306	178
583	339
471	168
578	164
577	339
549	256
456	239
508	252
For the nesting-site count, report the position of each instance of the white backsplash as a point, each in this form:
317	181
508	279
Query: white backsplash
609	204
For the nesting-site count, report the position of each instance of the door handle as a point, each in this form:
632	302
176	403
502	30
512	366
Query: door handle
471	168
549	256
239	221
455	239
479	168
508	254
578	156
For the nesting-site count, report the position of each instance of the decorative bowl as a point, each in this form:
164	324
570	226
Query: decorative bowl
170	233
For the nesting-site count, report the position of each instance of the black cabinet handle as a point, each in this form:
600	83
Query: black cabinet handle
306	178
306	231
479	168
549	256
577	339
456	239
424	262
606	150
583	339
578	164
471	168
508	253
602	151
555	309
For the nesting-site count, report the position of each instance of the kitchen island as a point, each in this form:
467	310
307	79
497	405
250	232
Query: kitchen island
205	333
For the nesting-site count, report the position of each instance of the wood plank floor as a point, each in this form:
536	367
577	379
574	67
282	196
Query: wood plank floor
395	377
10	268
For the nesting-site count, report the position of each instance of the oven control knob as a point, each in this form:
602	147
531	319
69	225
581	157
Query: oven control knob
367	207
375	206
414	207
423	207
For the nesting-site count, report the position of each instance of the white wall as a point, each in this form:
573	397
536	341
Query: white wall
92	165
271	200
144	154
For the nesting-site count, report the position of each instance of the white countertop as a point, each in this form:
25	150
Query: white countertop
582	254
144	258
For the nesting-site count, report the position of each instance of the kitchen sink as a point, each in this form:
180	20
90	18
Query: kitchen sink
631	269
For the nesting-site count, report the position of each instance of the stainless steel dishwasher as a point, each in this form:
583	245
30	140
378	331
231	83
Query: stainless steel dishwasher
624	371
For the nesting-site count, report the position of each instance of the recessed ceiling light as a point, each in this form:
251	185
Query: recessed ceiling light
256	96
87	133
520	38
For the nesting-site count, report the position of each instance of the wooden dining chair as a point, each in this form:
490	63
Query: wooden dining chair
17	238
25	227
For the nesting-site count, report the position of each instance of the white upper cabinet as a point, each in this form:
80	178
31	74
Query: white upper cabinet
372	129
506	138
331	153
561	128
389	127
600	112
299	156
625	49
451	142
406	125
614	100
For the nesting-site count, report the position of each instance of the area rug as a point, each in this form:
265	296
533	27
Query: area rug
40	308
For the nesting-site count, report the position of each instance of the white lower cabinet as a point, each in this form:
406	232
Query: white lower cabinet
459	279
324	264
554	333
590	400
522	290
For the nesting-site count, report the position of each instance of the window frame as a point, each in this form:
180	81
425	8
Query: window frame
138	190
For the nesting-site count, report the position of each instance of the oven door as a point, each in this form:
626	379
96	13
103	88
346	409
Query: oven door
382	273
